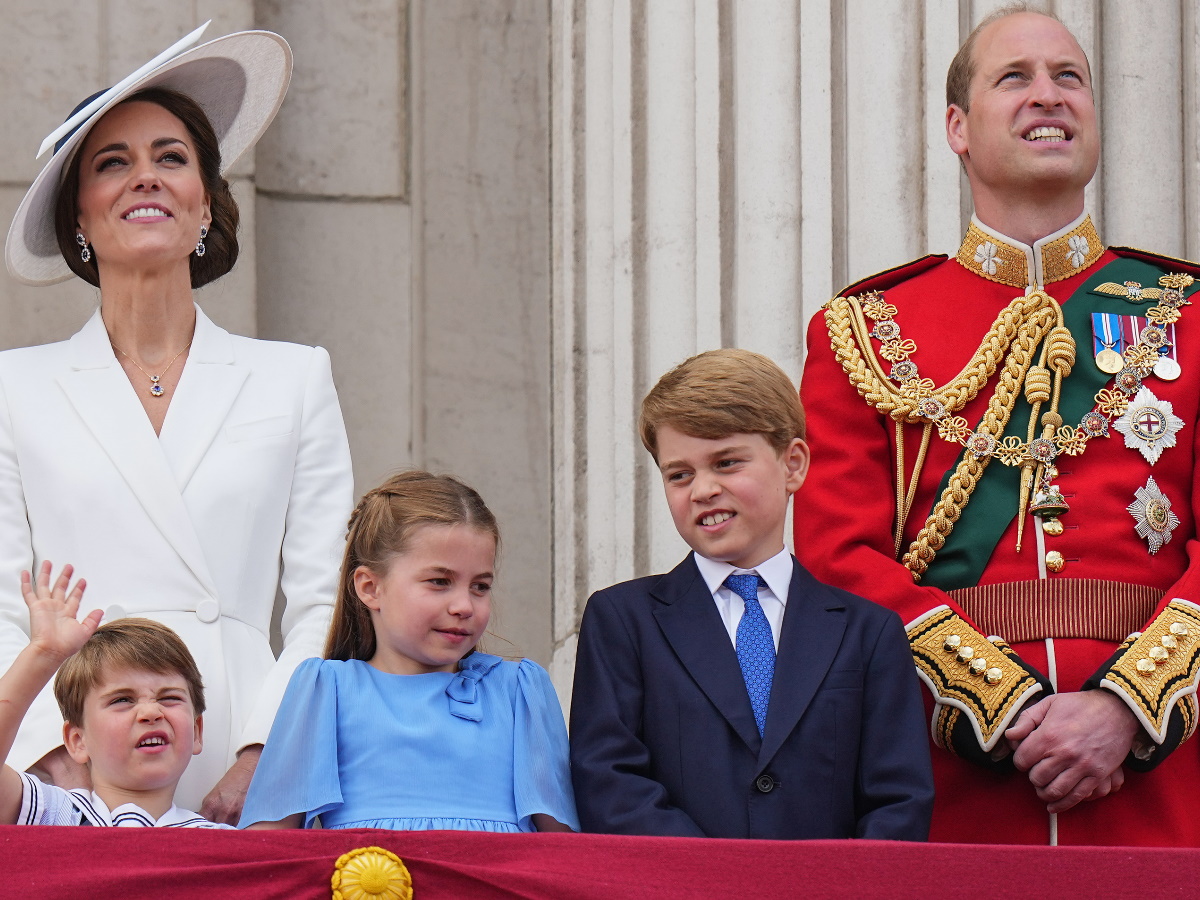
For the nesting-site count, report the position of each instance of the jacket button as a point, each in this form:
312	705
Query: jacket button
208	610
765	784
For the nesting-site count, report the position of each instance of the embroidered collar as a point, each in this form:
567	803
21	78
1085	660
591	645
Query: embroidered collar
994	256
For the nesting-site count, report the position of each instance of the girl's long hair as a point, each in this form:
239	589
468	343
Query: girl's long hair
382	526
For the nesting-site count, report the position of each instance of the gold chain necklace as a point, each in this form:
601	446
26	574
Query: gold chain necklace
905	397
156	389
1138	362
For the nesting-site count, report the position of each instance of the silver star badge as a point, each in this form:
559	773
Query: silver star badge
1152	513
1149	425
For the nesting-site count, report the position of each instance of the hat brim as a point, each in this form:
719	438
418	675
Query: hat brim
239	80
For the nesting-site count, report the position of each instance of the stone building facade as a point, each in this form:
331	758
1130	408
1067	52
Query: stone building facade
505	218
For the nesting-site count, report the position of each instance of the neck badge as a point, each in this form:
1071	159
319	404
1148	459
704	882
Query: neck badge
1149	425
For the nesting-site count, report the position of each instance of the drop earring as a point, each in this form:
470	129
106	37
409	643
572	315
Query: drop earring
85	252
200	248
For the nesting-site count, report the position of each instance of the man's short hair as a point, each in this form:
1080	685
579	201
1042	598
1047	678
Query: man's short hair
132	643
962	68
723	392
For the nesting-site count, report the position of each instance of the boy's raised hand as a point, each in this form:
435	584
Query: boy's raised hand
53	627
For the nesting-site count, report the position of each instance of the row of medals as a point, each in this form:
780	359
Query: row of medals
1049	502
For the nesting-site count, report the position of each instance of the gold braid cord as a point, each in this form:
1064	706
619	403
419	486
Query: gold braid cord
968	674
908	399
1014	337
1158	669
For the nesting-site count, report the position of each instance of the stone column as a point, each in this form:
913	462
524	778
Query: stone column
722	168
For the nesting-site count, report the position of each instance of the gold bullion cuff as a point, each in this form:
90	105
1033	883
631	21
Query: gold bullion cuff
967	672
1156	671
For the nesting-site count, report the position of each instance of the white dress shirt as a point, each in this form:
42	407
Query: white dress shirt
776	572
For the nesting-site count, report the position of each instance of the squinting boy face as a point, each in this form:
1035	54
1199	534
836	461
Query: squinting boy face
139	730
432	605
729	496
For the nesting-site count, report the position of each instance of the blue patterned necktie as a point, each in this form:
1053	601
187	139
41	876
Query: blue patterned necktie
755	646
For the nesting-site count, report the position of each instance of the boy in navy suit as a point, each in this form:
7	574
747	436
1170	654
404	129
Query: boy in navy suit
737	696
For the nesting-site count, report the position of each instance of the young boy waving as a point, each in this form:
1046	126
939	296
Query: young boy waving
132	699
737	696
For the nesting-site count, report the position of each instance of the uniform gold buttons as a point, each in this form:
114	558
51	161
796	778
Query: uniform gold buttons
1179	629
951	643
966	654
978	665
1055	561
1169	641
1158	654
1146	667
1052	527
993	676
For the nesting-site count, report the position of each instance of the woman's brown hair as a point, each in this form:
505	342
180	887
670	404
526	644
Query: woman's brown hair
382	526
221	243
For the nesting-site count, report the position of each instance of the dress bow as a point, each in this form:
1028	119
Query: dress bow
463	689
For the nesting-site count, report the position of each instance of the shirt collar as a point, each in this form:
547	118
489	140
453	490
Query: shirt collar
776	572
96	810
997	257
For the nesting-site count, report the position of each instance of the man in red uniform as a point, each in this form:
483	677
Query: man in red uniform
1004	450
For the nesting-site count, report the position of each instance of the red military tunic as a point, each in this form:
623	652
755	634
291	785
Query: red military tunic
1065	627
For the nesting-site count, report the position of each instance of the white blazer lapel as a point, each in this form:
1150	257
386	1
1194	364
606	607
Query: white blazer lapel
100	392
210	384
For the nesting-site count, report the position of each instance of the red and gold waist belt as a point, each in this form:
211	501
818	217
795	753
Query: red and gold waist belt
1059	608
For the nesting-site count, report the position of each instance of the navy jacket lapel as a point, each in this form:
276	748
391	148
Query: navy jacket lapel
692	626
813	627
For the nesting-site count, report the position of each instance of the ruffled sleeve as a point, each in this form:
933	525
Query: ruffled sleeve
541	770
298	769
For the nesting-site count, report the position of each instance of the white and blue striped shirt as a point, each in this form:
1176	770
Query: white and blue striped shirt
45	804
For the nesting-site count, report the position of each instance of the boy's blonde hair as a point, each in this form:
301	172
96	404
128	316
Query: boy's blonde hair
722	392
126	643
382	526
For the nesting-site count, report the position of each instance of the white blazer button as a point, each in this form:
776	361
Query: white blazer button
208	610
116	611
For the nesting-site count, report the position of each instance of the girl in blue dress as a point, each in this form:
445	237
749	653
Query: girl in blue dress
404	724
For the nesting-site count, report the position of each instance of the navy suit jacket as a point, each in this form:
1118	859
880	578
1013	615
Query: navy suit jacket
663	739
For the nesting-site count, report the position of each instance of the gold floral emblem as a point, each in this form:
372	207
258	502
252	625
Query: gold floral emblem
1113	403
1163	315
1073	441
953	428
876	307
1176	280
371	873
1140	356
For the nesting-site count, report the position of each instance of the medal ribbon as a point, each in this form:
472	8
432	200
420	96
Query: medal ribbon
1102	333
962	560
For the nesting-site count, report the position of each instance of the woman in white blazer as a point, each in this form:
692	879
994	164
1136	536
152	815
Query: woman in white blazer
174	464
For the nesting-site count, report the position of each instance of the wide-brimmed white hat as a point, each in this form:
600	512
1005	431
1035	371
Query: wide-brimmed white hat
239	80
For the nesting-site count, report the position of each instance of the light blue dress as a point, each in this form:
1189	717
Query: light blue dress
481	749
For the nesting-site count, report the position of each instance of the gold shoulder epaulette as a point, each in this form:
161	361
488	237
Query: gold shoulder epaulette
1158	669
969	674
